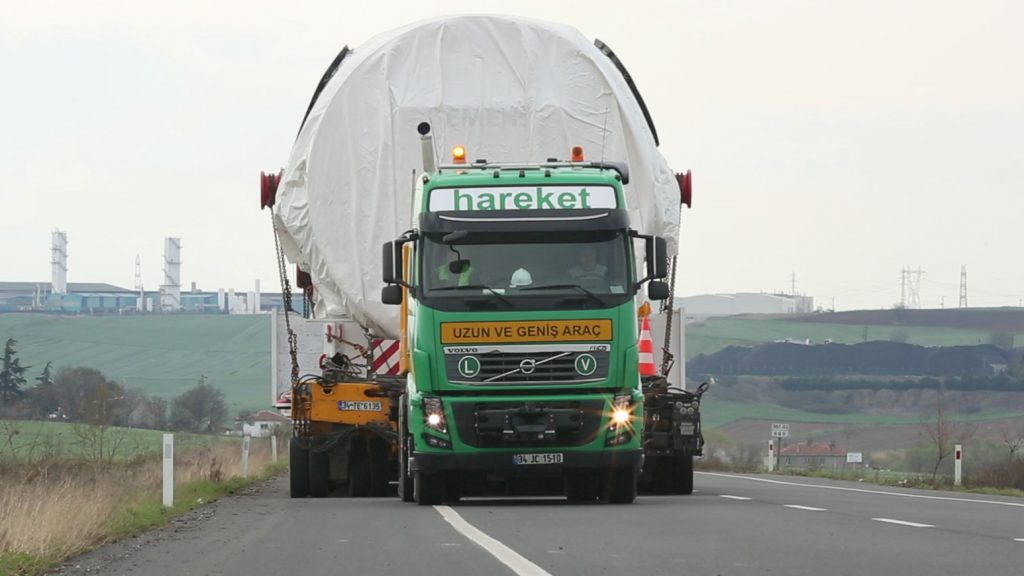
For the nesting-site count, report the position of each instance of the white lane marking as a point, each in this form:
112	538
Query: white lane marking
731	497
1018	539
808	508
845	489
504	554
903	523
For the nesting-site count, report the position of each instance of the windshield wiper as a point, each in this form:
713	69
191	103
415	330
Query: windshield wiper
478	287
562	286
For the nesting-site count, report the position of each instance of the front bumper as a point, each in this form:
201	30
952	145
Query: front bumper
503	462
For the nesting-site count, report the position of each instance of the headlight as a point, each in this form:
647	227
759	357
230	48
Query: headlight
622	410
433	415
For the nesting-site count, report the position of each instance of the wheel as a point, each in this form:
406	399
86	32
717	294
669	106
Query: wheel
682	471
452	487
358	469
319	474
298	469
380	472
404	480
581	487
663	476
427	489
621	486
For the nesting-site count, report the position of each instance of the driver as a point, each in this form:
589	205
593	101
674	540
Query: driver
587	267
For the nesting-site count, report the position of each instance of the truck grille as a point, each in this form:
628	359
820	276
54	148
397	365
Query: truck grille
483	366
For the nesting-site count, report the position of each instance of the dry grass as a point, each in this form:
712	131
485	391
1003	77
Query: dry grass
53	509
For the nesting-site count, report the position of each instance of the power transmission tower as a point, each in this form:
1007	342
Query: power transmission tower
138	272
792	284
903	287
963	286
915	287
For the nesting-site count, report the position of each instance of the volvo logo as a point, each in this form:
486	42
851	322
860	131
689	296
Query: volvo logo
527	366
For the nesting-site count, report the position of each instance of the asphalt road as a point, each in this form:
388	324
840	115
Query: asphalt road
732	525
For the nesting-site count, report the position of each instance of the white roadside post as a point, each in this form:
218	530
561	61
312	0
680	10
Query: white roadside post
168	470
245	456
771	455
273	448
958	453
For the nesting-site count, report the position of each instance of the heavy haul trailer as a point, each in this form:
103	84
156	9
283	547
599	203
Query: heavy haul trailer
513	369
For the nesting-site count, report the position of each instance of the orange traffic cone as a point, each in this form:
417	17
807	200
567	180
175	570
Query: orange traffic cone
646	348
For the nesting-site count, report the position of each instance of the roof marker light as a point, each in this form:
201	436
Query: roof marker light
459	155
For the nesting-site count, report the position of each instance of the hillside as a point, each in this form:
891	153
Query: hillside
952	327
162	355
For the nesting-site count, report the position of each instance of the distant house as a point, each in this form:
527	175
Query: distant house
263	424
820	456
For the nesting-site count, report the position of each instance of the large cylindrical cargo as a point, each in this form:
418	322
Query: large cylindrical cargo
507	89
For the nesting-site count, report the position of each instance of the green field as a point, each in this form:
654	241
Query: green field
31	440
717	413
717	333
161	355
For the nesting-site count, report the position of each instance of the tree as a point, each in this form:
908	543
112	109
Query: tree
44	397
12	377
86	395
943	432
1013	439
199	409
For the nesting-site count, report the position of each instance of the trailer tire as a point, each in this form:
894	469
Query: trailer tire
319	474
427	489
682	471
452	487
581	487
379	469
663	479
621	486
358	469
298	469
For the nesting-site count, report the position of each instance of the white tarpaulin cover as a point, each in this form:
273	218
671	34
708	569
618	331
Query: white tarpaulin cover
508	89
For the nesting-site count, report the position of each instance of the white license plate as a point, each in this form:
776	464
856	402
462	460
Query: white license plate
358	406
546	458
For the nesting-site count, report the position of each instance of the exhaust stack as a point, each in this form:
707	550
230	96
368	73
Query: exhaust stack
427	147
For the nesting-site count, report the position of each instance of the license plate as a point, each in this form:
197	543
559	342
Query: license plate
546	458
357	406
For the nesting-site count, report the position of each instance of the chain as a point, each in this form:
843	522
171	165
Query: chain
667	358
286	294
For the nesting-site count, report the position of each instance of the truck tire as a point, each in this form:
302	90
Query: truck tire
663	480
380	472
404	479
621	486
427	489
298	469
581	487
682	471
452	487
319	474
358	469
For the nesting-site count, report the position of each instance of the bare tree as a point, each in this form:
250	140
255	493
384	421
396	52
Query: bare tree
1013	439
944	432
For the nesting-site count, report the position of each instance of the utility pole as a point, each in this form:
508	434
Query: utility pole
963	286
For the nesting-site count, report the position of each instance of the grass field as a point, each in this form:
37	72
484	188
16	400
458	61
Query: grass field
32	440
717	413
162	355
717	333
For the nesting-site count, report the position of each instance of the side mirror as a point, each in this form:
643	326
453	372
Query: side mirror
389	273
657	257
391	294
657	290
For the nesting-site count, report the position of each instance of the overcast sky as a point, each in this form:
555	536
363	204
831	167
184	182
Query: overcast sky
841	141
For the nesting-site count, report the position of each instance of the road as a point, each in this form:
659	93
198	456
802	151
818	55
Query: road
733	525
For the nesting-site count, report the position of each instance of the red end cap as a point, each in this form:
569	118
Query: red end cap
268	188
685	188
302	279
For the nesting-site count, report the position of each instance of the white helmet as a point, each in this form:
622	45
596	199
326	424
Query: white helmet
521	277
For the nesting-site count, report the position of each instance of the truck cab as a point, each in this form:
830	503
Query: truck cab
519	287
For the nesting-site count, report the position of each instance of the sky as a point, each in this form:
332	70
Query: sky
839	142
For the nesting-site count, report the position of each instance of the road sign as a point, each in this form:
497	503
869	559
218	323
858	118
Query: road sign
780	430
854	457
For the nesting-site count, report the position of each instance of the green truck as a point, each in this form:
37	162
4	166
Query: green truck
519	289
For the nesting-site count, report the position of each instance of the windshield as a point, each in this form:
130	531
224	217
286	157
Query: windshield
528	267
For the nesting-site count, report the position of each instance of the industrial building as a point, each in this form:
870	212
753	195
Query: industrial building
705	306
